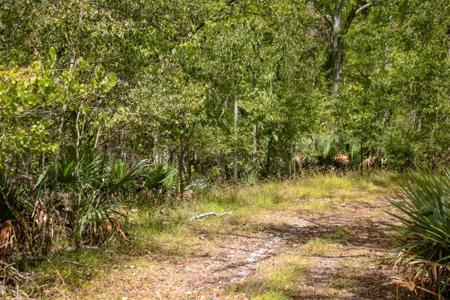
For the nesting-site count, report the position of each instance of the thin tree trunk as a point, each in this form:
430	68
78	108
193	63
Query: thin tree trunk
155	151
77	174
97	136
337	46
60	133
180	167
255	145
236	115
78	141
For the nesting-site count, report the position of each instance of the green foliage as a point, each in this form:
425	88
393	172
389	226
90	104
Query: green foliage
103	99
161	176
424	215
30	96
93	185
319	148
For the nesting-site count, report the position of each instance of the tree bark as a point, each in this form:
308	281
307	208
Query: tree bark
236	115
337	50
255	144
180	166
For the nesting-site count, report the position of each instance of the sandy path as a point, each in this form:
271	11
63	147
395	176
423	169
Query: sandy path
233	258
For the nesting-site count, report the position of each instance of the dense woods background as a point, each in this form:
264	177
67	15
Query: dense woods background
100	100
210	83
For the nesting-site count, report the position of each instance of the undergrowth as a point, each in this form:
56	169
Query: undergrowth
165	232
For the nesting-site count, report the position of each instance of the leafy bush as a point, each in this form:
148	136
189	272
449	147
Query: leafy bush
423	212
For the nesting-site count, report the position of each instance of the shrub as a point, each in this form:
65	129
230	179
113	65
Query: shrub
93	187
423	212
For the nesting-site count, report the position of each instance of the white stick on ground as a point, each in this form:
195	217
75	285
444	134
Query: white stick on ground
210	214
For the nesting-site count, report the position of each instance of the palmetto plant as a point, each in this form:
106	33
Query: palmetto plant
99	224
355	153
26	222
162	176
160	183
423	213
94	186
319	148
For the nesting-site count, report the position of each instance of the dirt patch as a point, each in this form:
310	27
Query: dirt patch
350	271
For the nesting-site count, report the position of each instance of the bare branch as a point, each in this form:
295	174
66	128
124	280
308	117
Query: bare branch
210	214
365	6
353	13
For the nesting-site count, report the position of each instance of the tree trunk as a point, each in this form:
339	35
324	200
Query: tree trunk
222	166
255	145
236	115
337	54
339	26
180	167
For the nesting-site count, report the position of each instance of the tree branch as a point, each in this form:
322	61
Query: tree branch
353	13
363	7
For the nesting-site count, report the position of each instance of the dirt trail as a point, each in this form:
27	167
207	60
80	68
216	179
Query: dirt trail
235	257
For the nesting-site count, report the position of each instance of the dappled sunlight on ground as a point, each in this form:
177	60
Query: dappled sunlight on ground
277	244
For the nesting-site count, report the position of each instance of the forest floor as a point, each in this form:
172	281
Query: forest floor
323	237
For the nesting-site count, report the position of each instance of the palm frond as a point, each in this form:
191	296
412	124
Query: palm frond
423	214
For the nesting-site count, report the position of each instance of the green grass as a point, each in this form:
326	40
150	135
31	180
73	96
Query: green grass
71	269
274	279
319	247
166	231
280	277
271	295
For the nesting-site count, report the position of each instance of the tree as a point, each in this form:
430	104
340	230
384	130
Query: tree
338	20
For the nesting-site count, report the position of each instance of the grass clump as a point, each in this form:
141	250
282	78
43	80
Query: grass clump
319	247
275	279
271	295
70	269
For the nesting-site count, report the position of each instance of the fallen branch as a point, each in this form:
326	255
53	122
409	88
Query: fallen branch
72	262
210	214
